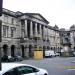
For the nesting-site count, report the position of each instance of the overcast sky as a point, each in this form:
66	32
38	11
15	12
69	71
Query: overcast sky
59	12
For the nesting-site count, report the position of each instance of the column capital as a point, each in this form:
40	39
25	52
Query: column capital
44	32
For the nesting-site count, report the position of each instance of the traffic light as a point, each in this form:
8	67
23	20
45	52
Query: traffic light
1	3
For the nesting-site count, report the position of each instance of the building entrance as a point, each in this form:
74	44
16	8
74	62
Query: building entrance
5	48
13	50
22	47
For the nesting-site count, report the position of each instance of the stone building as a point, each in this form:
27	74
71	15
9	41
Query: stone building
22	33
67	41
72	38
54	38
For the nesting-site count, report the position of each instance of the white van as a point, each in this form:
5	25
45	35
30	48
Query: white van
49	53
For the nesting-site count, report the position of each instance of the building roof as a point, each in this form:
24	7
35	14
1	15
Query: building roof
8	12
72	28
33	15
19	14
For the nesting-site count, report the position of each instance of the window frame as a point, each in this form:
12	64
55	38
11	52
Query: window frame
13	29
5	30
36	70
12	71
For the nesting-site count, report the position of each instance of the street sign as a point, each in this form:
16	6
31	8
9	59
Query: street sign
1	3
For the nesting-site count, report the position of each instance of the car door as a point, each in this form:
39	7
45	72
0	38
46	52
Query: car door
27	70
11	72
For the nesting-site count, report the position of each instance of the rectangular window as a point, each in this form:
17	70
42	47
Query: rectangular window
5	18
74	40
12	20
23	33
13	30
22	22
5	31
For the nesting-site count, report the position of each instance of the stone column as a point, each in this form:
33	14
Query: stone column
20	29
43	32
47	34
35	29
25	28
40	30
16	49
9	51
2	30
31	29
27	51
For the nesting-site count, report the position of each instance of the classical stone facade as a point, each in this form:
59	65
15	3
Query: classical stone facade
22	33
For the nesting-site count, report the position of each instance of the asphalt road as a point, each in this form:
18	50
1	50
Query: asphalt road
55	65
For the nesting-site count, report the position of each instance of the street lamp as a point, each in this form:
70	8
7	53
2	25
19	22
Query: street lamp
1	3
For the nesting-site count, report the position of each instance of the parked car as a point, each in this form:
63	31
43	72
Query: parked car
73	53
6	58
49	53
21	69
10	59
18	58
57	54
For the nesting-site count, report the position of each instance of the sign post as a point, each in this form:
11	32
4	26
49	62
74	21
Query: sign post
0	41
1	3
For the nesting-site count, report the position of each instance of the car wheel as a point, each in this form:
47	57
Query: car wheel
45	74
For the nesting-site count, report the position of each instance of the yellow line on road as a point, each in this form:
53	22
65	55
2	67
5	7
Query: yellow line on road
69	67
66	67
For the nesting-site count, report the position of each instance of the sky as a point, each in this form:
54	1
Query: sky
57	12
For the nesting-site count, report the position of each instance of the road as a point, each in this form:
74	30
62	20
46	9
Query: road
55	65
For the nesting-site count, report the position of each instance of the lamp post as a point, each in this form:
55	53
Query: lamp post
1	3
